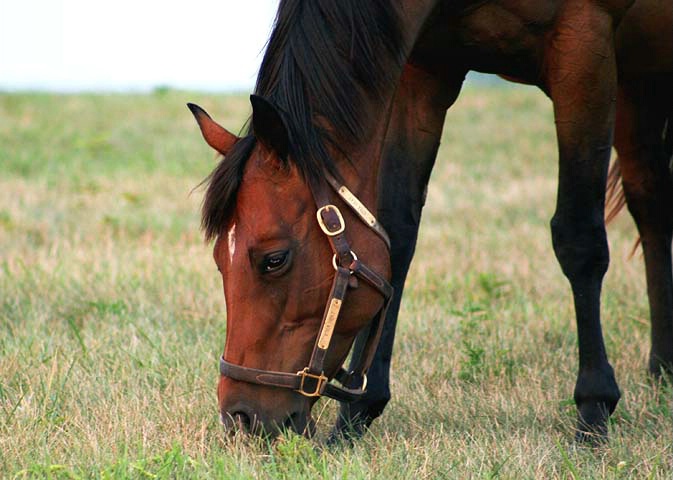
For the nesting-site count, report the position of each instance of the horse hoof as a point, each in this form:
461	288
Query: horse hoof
592	423
343	433
595	436
660	369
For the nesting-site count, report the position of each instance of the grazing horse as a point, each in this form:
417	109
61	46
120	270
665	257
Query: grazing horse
347	115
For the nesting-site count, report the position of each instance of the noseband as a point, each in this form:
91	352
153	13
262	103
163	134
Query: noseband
311	381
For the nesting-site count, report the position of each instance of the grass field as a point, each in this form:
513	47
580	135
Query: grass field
112	315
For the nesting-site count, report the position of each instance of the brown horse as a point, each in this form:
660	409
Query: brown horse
352	95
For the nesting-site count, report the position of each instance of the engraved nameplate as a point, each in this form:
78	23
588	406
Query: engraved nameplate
330	322
357	205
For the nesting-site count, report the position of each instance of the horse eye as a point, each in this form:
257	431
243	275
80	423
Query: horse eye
273	262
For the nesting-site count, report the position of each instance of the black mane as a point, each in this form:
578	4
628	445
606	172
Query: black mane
325	60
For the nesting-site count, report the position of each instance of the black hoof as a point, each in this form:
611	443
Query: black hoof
592	429
659	368
355	419
591	439
596	397
592	423
349	430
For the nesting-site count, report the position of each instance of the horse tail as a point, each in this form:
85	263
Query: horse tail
615	199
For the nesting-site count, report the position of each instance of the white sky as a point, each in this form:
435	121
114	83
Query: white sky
75	45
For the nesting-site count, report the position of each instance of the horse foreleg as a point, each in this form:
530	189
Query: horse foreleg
409	154
581	80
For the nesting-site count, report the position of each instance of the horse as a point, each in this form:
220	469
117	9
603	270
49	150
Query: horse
347	114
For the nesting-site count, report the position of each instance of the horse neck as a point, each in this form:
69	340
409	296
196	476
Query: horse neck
366	158
361	165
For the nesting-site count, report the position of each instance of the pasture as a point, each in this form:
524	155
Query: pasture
112	316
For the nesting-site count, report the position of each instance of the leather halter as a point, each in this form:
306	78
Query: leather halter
312	381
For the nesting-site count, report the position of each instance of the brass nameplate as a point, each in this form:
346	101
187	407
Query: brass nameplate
330	322
357	205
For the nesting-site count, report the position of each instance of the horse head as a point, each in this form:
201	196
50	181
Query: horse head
305	268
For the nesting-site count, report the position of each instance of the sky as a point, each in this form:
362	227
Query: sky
93	45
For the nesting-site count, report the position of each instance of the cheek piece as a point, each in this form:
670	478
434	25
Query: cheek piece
311	381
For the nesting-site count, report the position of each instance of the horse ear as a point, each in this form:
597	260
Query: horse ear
268	126
215	134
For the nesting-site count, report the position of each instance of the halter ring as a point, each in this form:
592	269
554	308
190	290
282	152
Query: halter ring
334	260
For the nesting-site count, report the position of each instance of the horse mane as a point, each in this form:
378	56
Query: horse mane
223	183
325	62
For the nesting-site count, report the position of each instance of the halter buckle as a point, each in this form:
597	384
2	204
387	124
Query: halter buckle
321	221
320	381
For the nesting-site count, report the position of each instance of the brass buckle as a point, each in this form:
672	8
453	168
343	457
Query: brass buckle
325	228
321	380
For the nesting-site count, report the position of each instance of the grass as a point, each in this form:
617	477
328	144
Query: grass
112	315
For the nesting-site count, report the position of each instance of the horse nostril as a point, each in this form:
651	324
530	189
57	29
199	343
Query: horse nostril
241	420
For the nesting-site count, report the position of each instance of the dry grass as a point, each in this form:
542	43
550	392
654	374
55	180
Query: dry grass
112	318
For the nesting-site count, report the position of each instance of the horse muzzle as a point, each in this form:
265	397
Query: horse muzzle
271	413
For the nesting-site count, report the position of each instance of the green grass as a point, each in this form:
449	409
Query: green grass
112	314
